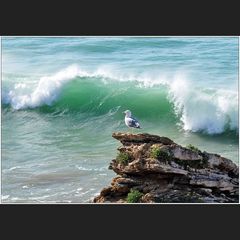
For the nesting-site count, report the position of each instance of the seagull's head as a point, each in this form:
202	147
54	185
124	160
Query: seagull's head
127	113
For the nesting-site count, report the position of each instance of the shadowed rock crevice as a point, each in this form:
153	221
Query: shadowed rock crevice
162	171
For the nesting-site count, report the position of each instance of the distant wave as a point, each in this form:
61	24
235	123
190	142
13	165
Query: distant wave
209	110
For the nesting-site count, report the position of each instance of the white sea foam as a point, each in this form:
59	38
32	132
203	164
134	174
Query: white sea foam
200	110
4	197
90	169
47	90
13	168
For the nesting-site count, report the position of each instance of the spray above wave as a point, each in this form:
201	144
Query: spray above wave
197	109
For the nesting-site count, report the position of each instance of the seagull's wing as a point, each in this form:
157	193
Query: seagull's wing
132	122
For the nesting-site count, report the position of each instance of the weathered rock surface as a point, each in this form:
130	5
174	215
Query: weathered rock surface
179	175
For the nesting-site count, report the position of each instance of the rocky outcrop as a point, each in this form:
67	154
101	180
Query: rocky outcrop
157	170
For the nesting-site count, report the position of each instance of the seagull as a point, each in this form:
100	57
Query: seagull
130	121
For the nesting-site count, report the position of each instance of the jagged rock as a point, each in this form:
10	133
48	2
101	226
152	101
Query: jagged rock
172	174
141	138
185	154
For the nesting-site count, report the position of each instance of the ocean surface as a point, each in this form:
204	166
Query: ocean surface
63	97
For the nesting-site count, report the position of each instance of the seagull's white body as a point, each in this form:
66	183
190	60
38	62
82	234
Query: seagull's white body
130	121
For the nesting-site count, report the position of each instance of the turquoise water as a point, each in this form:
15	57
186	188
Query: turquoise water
63	97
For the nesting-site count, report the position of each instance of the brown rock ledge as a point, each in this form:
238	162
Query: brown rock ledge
165	172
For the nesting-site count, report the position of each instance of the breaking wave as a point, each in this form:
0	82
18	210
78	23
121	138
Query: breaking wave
195	109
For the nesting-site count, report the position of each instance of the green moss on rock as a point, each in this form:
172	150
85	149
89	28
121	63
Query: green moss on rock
160	154
134	196
193	148
123	158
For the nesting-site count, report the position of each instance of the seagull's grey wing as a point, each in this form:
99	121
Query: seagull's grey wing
132	122
135	119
